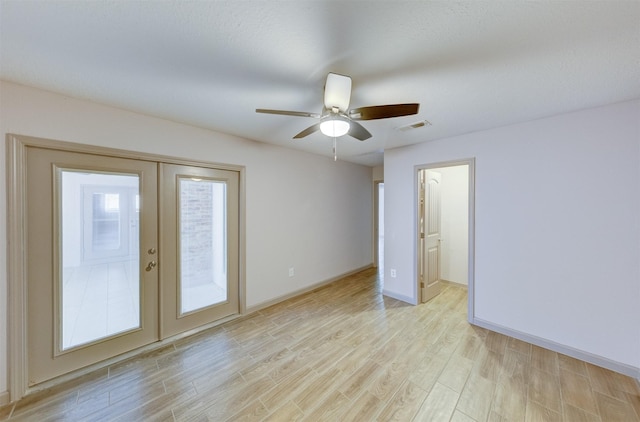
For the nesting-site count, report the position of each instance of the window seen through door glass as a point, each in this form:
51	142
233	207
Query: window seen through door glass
100	280
106	221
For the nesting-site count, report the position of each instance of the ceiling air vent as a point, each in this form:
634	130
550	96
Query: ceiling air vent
416	125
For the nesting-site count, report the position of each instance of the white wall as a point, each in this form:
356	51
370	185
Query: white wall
377	173
557	227
454	260
303	210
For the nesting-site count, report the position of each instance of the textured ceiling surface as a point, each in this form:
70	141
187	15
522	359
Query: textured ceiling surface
471	65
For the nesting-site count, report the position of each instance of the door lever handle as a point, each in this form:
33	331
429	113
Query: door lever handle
151	265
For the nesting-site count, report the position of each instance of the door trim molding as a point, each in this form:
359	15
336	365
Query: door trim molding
471	163
16	146
376	221
16	267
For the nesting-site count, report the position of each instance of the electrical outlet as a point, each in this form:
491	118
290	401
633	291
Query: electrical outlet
393	273
292	272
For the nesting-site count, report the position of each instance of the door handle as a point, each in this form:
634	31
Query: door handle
151	265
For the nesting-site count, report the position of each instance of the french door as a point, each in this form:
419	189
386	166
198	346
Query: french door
200	246
97	264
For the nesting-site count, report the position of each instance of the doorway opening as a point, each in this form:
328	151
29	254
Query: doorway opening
445	230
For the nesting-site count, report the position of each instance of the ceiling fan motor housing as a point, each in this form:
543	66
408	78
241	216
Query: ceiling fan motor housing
337	92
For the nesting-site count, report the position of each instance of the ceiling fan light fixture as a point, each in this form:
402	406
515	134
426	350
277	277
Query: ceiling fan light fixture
335	128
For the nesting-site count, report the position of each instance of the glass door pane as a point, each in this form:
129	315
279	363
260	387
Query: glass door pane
100	288
203	239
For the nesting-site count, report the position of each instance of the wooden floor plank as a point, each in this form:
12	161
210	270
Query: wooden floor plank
344	352
439	404
405	404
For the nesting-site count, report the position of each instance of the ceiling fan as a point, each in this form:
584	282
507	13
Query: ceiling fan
337	119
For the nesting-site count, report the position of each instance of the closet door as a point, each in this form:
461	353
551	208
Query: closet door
92	279
199	254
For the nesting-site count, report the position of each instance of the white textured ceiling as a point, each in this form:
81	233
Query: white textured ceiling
471	65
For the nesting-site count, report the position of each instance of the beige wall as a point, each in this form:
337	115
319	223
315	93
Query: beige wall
455	223
302	210
378	173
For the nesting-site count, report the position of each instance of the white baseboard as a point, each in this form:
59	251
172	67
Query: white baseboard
411	300
399	297
454	283
4	398
271	302
621	368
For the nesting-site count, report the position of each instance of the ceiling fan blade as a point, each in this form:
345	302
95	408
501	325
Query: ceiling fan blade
358	131
384	111
337	92
308	131
288	113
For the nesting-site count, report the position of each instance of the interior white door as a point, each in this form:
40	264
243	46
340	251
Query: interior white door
430	233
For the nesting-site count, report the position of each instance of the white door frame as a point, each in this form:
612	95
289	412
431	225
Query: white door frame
471	162
17	269
376	221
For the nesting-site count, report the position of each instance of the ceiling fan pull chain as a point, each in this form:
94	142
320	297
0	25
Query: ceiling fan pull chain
335	151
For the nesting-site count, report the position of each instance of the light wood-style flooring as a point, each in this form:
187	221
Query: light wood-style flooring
344	353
